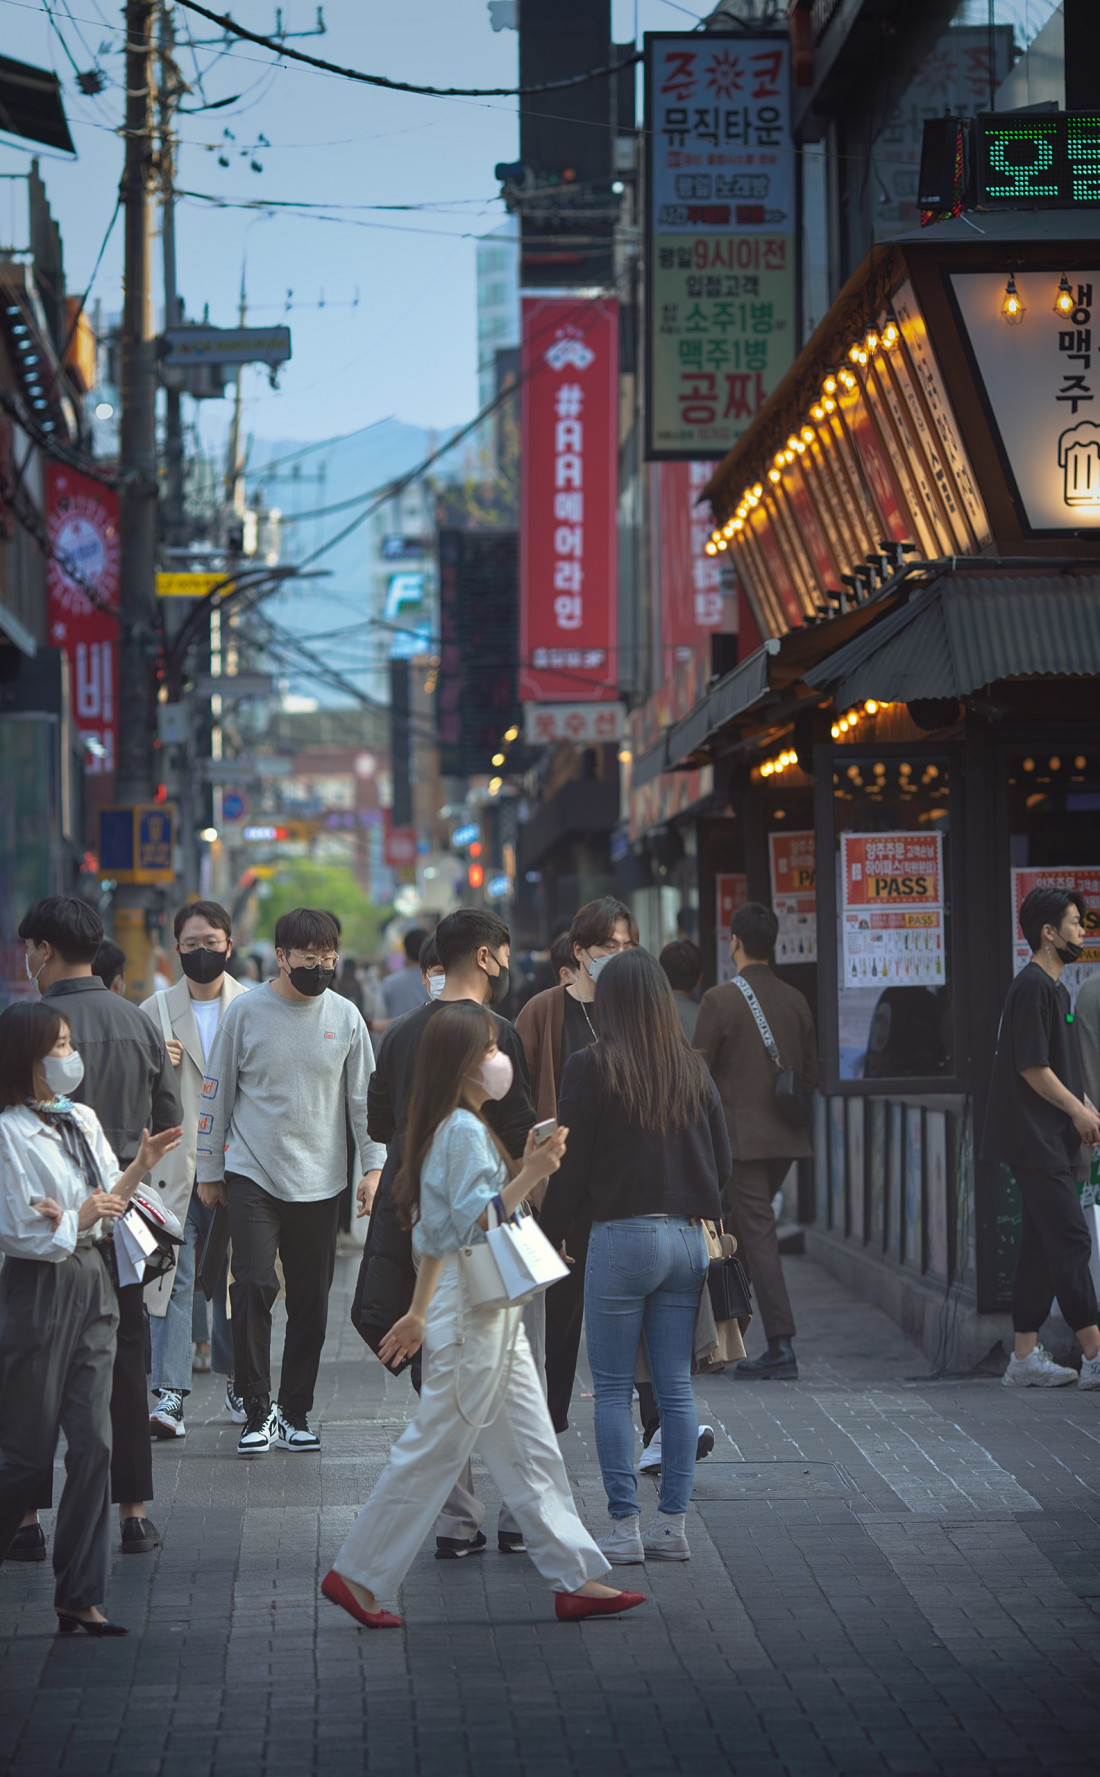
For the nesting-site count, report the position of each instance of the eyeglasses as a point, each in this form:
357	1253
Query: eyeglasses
308	959
203	944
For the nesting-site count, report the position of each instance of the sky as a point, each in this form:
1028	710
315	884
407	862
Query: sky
396	335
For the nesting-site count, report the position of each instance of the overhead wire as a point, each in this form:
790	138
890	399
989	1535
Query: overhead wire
404	86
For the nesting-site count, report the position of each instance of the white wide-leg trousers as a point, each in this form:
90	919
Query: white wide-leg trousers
475	1366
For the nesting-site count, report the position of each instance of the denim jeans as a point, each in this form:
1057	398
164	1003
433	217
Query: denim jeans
199	1222
642	1282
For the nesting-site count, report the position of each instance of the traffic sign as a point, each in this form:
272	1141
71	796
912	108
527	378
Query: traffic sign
234	806
188	586
137	841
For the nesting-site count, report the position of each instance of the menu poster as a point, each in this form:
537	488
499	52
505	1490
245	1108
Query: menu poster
1079	880
730	893
892	913
794	896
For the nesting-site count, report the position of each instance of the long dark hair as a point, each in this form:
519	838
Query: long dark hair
647	1063
28	1031
451	1049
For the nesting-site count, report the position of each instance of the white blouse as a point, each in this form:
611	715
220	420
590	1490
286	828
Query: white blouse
33	1165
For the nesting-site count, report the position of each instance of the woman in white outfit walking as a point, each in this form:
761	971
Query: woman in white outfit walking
480	1383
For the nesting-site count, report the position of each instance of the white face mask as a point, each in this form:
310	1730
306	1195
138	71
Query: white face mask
436	984
597	964
496	1074
62	1073
31	975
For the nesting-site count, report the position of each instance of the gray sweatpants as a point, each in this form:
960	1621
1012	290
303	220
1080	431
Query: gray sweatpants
57	1350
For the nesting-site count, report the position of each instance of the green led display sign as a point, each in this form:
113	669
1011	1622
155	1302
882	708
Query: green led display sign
1048	160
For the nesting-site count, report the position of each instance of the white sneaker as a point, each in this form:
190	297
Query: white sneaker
1038	1370
650	1463
666	1539
623	1543
1090	1373
294	1434
259	1432
234	1404
166	1419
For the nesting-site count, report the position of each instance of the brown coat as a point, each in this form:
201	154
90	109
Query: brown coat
743	1071
539	1026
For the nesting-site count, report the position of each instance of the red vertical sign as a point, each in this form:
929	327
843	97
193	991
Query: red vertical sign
570	472
82	523
692	606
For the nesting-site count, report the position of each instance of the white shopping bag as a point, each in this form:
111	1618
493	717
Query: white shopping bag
526	1260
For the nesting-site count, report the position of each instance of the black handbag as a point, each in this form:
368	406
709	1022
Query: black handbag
730	1296
792	1100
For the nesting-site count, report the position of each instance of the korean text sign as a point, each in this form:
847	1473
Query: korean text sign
692	604
82	523
893	909
569	485
794	896
731	891
720	236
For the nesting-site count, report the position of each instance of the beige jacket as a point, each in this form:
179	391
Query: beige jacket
175	1175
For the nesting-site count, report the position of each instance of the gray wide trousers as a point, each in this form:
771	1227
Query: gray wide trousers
57	1348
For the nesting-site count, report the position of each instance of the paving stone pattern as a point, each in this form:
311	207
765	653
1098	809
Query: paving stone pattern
889	1573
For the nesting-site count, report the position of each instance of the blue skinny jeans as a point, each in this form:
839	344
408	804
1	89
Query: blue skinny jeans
642	1282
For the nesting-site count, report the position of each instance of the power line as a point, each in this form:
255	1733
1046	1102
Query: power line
404	86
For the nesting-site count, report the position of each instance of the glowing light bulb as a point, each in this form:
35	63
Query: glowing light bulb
1063	302
1012	307
774	475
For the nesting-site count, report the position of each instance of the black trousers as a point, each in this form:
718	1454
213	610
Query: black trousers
303	1235
131	1439
57	1345
1055	1247
564	1318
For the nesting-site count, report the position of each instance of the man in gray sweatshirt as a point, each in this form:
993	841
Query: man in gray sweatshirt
289	1062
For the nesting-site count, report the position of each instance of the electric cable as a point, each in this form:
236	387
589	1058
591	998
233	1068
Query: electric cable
404	86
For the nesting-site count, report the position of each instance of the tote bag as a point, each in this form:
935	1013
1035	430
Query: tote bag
514	1263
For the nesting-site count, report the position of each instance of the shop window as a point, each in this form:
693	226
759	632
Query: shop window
1054	836
891	826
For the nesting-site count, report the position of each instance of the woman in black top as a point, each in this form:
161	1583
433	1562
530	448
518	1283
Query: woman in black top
647	1159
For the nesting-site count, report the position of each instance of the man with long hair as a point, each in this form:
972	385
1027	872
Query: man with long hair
474	948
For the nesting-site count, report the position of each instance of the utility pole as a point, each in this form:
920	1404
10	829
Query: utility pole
173	514
138	490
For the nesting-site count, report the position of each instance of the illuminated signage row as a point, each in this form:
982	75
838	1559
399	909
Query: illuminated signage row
876	461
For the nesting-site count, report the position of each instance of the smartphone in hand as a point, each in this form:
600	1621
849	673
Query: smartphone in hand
543	1131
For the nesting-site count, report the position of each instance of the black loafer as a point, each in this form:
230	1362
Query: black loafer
510	1542
139	1536
455	1548
29	1544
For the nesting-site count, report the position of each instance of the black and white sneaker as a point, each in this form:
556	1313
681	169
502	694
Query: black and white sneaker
455	1548
294	1434
166	1419
234	1404
259	1432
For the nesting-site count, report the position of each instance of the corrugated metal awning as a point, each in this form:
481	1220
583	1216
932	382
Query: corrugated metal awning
965	631
738	691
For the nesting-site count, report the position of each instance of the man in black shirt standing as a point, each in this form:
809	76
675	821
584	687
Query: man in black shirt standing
1037	1120
474	949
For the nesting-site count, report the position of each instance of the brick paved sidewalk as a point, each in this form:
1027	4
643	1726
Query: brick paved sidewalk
888	1574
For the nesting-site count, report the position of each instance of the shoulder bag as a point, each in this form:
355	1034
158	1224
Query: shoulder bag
793	1102
515	1262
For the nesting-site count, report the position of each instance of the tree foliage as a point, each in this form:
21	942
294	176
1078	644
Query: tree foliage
332	888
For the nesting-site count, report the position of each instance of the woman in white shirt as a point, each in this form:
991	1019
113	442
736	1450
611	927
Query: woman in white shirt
59	1184
480	1383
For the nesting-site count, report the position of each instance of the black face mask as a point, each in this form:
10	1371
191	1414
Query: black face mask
1068	952
499	986
311	981
203	966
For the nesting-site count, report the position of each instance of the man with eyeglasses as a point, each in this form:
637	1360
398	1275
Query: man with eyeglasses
187	1016
290	1061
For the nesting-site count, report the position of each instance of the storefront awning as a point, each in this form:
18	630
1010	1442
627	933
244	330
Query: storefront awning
737	691
964	631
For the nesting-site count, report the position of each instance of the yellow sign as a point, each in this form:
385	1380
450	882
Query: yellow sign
187	586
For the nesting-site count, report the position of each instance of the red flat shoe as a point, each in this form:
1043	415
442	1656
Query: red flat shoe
571	1606
337	1591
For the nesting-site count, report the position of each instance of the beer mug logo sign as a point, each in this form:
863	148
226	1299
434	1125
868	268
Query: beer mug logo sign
1079	461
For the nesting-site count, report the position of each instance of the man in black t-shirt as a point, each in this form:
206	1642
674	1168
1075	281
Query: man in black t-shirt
1037	1119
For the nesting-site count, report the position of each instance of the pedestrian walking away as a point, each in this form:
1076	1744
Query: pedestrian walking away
763	1142
130	1084
1037	1119
188	1016
289	1062
404	991
553	1025
480	1385
473	948
647	1158
60	1187
682	962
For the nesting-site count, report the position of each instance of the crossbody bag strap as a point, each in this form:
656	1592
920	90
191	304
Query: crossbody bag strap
762	1024
165	1021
